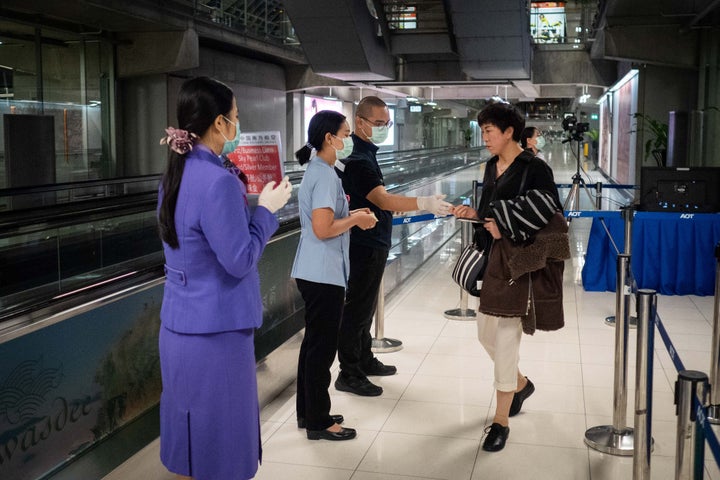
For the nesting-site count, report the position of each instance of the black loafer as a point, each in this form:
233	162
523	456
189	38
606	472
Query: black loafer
358	385
520	397
343	434
379	369
336	418
496	437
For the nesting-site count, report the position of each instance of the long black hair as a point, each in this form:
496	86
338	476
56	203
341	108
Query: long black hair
528	132
324	121
199	103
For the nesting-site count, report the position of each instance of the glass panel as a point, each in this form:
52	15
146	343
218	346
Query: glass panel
51	110
72	97
18	80
40	265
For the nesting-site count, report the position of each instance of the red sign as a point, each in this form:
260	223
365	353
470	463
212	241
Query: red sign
259	156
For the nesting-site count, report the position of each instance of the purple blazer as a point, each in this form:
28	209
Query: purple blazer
212	282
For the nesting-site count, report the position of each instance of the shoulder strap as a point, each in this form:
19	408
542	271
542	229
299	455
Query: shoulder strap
524	179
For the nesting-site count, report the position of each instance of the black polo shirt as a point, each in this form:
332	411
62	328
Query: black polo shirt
360	174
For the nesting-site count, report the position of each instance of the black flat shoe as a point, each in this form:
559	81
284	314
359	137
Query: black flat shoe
379	369
496	437
336	418
358	385
520	397
343	434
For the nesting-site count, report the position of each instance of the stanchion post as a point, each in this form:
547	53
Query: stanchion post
598	195
714	408
622	310
380	344
646	305
617	439
466	235
627	213
690	447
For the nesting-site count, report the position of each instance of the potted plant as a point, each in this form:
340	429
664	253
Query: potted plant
594	137
467	136
657	138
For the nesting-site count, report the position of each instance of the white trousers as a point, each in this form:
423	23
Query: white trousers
500	336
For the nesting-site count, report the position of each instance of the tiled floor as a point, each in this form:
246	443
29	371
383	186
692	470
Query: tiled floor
429	422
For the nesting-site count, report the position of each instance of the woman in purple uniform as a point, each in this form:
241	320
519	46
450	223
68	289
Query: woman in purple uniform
209	415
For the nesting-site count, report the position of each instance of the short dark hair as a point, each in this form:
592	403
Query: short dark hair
324	121
366	105
503	115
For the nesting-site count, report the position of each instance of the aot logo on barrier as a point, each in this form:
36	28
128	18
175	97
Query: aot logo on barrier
687	215
574	214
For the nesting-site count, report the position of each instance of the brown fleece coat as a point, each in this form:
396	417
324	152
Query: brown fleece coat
525	280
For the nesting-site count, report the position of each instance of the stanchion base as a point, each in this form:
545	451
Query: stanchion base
610	322
713	414
385	345
608	440
460	314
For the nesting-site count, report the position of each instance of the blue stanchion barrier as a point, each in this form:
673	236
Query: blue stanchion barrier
414	218
604	186
710	437
644	215
592	213
700	411
669	345
568	213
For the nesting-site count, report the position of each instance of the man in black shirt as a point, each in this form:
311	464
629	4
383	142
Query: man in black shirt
363	182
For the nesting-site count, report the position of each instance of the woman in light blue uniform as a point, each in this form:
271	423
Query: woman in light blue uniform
321	269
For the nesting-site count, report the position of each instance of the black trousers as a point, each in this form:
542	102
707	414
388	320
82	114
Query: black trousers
367	266
323	311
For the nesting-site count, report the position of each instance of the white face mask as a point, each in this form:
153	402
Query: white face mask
378	134
540	142
347	149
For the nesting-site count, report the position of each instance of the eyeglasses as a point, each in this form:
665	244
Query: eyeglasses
379	123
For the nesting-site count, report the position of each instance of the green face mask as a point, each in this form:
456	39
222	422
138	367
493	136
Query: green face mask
540	142
347	148
379	134
230	145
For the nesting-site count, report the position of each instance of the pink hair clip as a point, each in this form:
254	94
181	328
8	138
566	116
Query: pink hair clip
179	141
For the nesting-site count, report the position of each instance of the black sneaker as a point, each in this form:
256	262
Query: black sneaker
496	437
520	397
379	369
358	385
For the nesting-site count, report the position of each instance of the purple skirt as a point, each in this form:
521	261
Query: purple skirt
209	414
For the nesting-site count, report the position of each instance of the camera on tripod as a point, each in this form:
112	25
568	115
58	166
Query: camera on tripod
574	128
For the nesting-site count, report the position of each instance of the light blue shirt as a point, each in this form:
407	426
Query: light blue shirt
321	261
